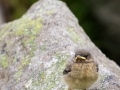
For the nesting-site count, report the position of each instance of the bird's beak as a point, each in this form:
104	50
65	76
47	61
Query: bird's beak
80	57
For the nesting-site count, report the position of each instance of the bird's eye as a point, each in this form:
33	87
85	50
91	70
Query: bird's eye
82	55
86	56
77	59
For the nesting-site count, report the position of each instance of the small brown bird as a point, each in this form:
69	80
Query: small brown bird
82	72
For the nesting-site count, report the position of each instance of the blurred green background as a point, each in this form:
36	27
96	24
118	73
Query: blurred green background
91	14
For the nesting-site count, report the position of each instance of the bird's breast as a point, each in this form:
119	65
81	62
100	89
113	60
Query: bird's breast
83	70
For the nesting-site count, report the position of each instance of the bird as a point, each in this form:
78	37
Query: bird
82	73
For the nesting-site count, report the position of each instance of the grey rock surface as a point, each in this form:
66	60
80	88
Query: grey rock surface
35	48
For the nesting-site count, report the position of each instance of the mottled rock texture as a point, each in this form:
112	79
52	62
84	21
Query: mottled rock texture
35	48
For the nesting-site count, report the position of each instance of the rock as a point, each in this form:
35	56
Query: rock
35	48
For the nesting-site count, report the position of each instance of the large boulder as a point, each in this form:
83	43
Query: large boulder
35	48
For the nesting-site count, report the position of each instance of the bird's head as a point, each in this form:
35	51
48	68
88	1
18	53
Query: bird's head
82	56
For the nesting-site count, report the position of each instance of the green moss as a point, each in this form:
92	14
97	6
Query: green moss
29	40
49	78
50	85
18	75
40	80
102	77
28	27
14	59
50	12
43	46
62	58
31	52
4	61
20	67
73	35
37	26
24	63
5	30
19	32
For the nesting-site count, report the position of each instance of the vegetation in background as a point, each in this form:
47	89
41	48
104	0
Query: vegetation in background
14	9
